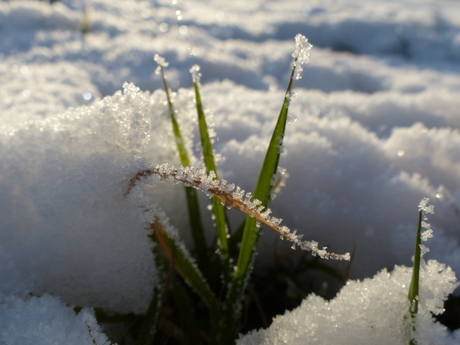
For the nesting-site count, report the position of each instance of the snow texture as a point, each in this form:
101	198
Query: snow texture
372	311
46	320
67	227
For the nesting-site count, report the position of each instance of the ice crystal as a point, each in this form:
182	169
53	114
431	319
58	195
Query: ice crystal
161	63
423	206
196	75
301	54
160	60
428	232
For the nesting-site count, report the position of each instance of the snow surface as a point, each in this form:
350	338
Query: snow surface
46	320
374	129
372	311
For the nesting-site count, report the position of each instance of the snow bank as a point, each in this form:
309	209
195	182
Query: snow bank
67	227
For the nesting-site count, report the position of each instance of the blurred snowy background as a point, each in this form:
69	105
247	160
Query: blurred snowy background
375	128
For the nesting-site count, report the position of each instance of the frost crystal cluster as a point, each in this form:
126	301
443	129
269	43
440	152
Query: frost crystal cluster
301	54
196	75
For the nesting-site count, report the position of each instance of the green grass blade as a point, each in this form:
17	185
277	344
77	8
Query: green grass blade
186	313
414	284
209	161
185	161
85	27
197	226
199	239
179	257
262	193
147	329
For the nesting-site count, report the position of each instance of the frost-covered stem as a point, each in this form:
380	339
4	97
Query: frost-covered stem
414	286
220	217
237	199
419	251
192	198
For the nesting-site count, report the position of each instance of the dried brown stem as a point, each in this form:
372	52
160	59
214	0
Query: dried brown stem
236	199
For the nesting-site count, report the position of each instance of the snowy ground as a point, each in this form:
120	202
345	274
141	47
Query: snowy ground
375	128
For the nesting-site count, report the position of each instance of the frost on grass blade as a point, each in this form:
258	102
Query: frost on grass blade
423	206
160	60
301	54
236	199
161	63
428	232
196	75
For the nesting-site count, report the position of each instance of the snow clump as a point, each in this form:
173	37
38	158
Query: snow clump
46	320
372	311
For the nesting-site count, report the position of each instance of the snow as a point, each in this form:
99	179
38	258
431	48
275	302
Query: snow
46	320
376	130
65	220
374	311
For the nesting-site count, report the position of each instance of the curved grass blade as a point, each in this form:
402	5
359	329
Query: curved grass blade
237	200
191	194
209	161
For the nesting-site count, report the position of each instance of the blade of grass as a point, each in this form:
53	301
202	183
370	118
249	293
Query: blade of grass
414	284
262	190
182	263
85	27
147	329
210	164
262	193
191	194
187	317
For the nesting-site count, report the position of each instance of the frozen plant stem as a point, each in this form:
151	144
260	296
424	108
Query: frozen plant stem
209	161
265	184
418	254
237	199
192	197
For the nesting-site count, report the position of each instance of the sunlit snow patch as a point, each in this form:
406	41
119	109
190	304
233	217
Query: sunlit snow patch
372	311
